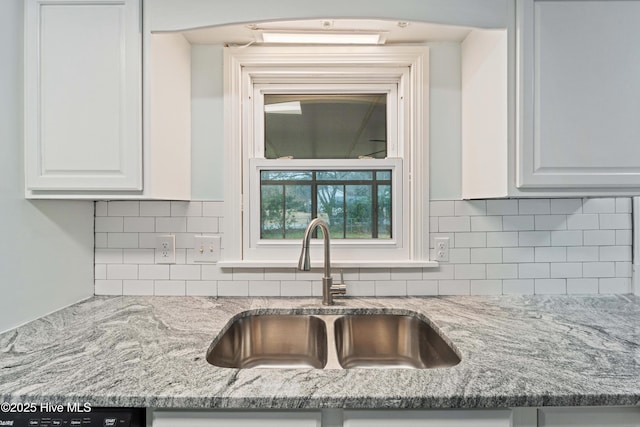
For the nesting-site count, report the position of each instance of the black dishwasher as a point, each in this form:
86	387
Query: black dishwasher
97	417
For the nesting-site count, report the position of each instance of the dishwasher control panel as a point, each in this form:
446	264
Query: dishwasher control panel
98	417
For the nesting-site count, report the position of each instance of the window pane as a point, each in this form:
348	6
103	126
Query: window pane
285	175
298	210
384	211
331	208
344	175
383	175
359	204
317	126
272	212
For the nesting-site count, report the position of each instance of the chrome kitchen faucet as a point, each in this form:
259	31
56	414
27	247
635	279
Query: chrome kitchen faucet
304	264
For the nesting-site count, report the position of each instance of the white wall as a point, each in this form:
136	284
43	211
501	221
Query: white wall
207	122
46	247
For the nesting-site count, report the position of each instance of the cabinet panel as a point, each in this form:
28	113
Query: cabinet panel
235	419
588	417
579	94
83	95
435	418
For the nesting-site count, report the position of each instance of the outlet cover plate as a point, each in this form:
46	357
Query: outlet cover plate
166	249
442	248
207	249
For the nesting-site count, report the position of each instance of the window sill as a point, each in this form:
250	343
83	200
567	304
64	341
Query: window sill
334	264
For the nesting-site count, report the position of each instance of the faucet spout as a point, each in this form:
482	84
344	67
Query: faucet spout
304	263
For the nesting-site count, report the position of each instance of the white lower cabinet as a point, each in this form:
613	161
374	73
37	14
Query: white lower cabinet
435	418
236	419
516	417
589	417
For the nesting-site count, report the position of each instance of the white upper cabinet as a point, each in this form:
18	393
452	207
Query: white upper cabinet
84	100
578	95
83	95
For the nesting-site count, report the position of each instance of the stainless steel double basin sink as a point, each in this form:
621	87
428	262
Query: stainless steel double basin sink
331	341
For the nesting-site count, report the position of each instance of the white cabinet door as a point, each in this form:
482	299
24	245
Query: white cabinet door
578	94
435	418
235	419
589	417
83	95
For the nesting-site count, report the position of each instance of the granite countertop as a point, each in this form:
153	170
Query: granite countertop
150	351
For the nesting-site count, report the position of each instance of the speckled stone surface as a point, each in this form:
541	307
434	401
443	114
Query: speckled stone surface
150	351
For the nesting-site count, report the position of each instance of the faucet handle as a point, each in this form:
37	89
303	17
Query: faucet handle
339	288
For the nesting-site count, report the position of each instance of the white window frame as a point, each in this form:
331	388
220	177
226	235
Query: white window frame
252	72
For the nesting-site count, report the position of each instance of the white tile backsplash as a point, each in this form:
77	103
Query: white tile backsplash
582	286
599	205
422	287
566	238
614	286
583	222
534	238
486	223
566	206
170	287
526	246
518	287
123	209
155	209
534	206
550	286
454	224
470	207
533	271
502	207
205	288
471	240
502	271
599	237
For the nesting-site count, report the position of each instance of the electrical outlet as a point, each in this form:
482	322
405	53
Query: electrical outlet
166	249
207	249
442	248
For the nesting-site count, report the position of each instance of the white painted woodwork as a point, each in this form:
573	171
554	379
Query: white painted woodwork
430	418
589	417
235	419
636	245
243	66
168	142
484	114
514	417
83	95
578	94
524	417
172	15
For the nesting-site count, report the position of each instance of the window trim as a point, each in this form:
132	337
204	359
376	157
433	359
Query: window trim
255	65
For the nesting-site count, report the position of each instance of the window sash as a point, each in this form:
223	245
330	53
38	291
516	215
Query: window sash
313	184
390	89
258	248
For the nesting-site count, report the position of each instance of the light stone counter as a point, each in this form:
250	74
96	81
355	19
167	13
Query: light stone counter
150	352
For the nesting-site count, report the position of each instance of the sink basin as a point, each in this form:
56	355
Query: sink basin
390	341
286	341
330	341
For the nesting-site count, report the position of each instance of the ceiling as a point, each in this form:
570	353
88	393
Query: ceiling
395	32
